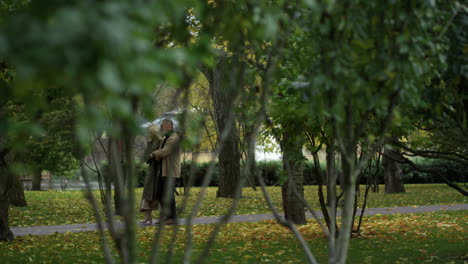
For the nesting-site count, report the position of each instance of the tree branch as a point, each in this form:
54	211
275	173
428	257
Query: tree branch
452	156
400	158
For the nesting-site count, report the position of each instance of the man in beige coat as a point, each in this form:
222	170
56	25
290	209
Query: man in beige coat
169	154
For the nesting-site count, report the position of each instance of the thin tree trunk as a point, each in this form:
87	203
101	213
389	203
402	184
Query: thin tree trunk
331	200
252	169
119	181
293	189
349	191
320	180
348	181
129	210
36	179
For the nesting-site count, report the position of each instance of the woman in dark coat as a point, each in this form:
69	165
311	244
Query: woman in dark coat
149	201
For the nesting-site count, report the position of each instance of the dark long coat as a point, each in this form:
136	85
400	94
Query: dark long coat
154	169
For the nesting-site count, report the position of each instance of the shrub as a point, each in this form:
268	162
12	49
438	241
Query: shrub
141	169
198	172
272	171
451	170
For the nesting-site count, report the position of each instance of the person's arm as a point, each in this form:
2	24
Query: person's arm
168	148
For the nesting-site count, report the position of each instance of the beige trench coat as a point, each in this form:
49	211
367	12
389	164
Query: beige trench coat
170	156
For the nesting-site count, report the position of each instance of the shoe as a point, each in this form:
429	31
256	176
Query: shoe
148	219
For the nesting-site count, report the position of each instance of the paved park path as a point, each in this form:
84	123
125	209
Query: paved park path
46	230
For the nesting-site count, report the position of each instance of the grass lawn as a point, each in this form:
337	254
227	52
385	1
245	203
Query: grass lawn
439	237
70	207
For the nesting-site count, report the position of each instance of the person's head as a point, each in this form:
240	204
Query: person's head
154	132
166	126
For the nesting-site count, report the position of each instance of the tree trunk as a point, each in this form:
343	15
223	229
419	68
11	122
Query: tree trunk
392	174
36	180
229	169
5	232
117	201
6	180
252	163
17	197
117	173
251	173
229	156
293	190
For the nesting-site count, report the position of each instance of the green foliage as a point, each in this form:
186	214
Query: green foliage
452	171
201	133
141	169
346	67
198	171
10	6
271	171
107	69
440	124
351	63
55	149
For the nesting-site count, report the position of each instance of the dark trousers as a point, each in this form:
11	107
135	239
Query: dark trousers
168	206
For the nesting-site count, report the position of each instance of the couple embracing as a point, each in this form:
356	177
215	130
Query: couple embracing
163	156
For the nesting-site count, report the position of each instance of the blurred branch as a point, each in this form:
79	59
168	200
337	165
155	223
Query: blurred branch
89	195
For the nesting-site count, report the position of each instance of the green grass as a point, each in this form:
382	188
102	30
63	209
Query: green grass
439	237
70	207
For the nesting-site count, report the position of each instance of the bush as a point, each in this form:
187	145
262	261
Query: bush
141	169
453	171
198	172
272	172
310	176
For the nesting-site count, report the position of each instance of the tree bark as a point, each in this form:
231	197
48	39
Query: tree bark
229	156
5	231
252	164
293	190
36	180
17	197
392	174
229	171
251	173
117	173
6	179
